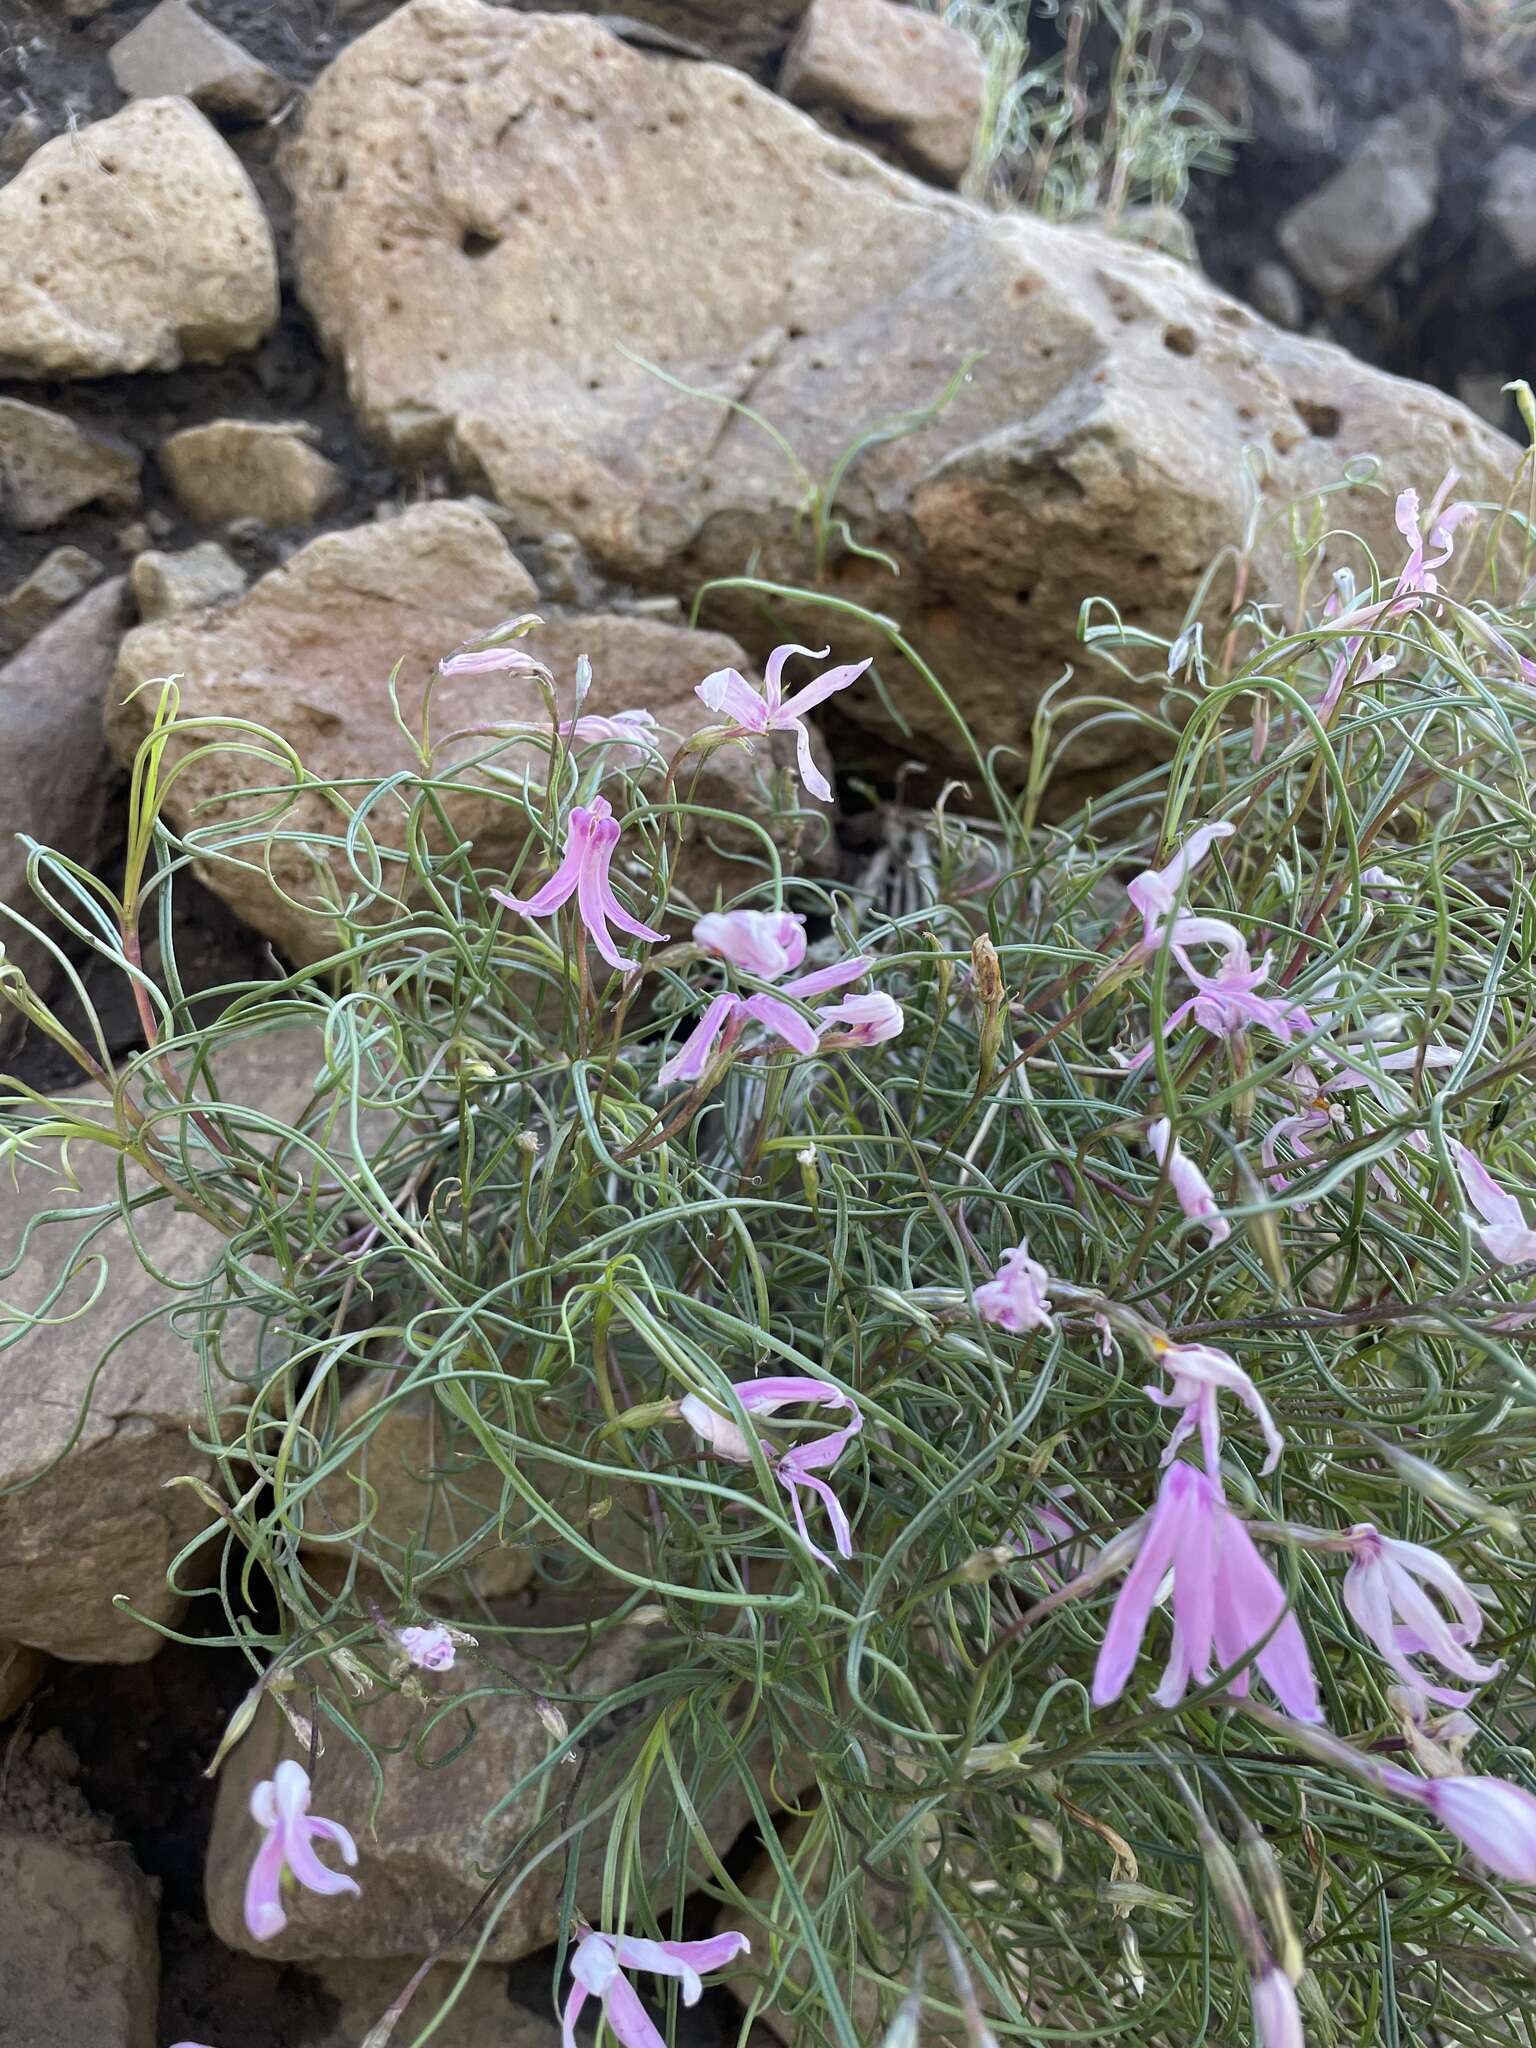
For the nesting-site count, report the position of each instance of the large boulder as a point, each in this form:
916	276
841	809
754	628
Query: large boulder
55	771
499	214
137	243
309	651
432	1844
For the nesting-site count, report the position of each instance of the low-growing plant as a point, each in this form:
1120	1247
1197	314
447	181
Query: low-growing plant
877	1292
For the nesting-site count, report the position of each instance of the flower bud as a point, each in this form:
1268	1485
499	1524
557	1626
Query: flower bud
989	993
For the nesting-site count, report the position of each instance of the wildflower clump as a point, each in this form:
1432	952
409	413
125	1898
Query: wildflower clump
1033	1334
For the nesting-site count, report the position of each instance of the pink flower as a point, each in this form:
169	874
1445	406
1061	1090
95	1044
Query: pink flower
1360	1071
796	1467
598	1964
1416	582
1417	574
1015	1297
1225	1599
726	1014
1300	1127
280	1804
1276	2015
1227	1002
1384	1590
636	728
860	1020
767	944
1155	893
429	1649
1507	1237
590	839
488	661
1200	1374
733	696
1496	1820
1189	1184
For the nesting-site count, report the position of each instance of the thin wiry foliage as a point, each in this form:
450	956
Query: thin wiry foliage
491	1205
1088	106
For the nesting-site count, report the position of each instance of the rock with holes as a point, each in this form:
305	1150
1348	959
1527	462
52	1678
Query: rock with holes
910	78
50	467
250	469
137	243
1102	401
428	1846
308	653
55	774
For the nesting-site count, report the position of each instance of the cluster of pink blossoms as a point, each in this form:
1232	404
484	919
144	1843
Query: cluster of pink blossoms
765	945
1228	1001
1229	1611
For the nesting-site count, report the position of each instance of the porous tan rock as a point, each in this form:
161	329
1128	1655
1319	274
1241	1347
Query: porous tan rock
55	771
59	578
250	469
173	50
308	651
423	1864
164	584
913	78
50	467
137	243
456	161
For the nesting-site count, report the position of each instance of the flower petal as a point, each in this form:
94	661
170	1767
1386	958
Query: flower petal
264	1915
631	2023
817	692
781	1018
822	979
734	698
693	1055
1164	1535
805	760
